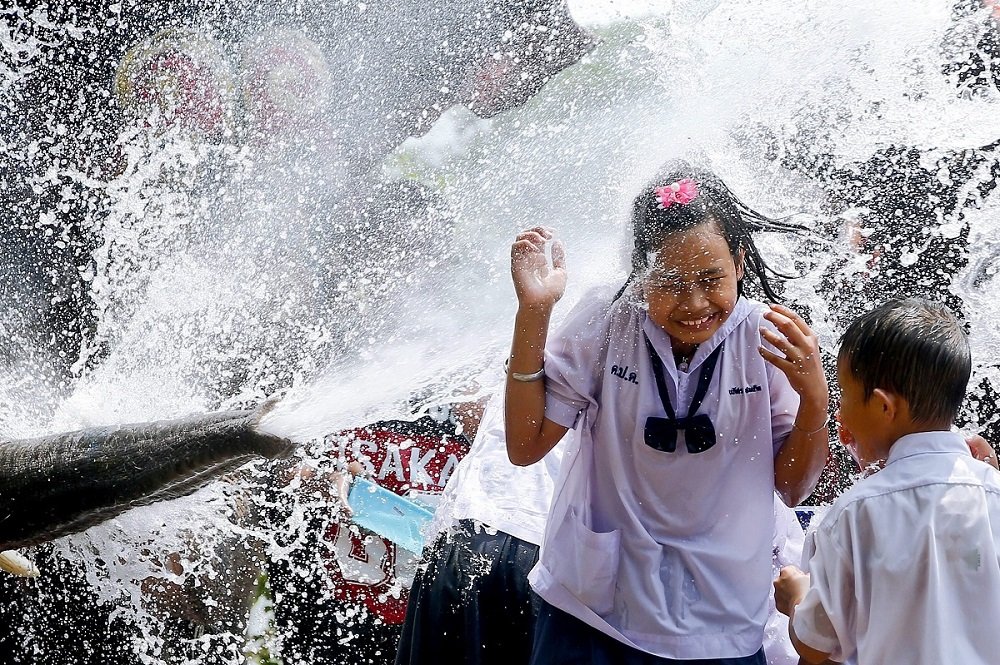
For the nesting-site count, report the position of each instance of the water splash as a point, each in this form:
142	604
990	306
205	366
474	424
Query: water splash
220	270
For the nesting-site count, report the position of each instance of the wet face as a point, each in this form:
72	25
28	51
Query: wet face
692	287
860	417
182	76
846	438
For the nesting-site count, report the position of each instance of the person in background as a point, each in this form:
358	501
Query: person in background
471	601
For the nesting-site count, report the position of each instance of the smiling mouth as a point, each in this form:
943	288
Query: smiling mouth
697	324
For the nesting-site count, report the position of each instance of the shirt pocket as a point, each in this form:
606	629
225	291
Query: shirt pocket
591	572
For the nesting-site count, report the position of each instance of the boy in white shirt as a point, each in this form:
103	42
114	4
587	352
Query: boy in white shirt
905	566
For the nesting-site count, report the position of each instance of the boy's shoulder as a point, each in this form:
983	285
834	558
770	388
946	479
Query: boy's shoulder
951	464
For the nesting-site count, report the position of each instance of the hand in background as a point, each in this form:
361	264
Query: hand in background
789	589
982	450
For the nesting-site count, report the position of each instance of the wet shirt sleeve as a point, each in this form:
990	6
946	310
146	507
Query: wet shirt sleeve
824	620
572	360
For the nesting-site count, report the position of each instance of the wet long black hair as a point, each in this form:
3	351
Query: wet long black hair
652	224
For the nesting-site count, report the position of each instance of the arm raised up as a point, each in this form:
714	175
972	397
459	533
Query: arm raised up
539	287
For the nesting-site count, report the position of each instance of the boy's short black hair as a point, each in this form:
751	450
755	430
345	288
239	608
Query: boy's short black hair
914	348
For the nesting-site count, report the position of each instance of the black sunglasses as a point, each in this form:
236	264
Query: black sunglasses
699	431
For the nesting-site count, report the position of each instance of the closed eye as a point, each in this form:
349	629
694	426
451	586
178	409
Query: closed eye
678	285
672	284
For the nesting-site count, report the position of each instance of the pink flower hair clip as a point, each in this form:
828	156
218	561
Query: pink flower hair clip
683	191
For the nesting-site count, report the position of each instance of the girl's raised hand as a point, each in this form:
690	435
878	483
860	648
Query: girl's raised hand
537	284
799	359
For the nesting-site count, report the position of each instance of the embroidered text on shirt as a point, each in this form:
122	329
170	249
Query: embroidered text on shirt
742	391
623	373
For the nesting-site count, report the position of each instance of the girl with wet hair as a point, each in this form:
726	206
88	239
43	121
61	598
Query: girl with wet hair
737	222
691	404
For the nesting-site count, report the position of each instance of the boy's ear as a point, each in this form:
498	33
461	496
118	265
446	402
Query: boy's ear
888	403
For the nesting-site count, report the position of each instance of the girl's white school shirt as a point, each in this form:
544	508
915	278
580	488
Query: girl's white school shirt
487	488
789	540
669	553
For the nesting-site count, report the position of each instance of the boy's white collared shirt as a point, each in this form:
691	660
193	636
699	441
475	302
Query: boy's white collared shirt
904	567
669	552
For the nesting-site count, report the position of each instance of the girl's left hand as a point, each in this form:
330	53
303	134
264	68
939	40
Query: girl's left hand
801	361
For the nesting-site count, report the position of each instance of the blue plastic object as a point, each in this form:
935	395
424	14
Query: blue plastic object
389	515
809	514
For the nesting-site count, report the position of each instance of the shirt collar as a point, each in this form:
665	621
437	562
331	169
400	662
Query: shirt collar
661	340
927	442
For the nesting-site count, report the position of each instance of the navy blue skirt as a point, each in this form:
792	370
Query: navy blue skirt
470	604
